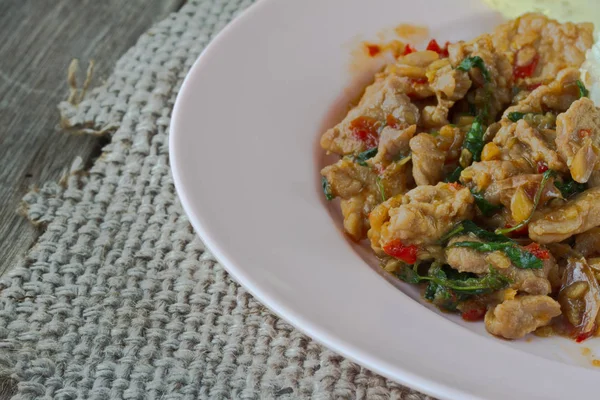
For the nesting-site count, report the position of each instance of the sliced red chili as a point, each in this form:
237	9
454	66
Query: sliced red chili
525	71
434	46
542	167
366	129
474	314
455	185
537	251
419	81
406	253
409	49
583	133
373	49
523	231
584	336
392	122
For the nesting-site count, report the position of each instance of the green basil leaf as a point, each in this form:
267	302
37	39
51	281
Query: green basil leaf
485	206
520	257
474	139
327	189
475	62
568	187
454	175
381	188
583	92
515	116
468	226
362	157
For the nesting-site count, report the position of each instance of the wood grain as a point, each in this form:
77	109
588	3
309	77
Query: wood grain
39	40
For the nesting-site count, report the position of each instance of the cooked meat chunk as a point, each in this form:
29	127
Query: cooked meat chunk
360	190
466	260
588	243
428	160
447	82
515	318
496	94
556	95
576	216
531	281
449	85
421	216
482	174
578	138
393	144
359	131
522	141
544	45
412	68
503	191
539	150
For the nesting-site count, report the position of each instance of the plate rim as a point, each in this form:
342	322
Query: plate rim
424	384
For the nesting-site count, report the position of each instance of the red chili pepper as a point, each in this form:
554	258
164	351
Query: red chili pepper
434	46
537	251
366	129
373	49
523	231
392	122
418	81
455	185
525	71
583	133
406	253
584	336
409	49
542	167
474	314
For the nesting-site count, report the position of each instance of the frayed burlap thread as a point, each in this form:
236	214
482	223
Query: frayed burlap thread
119	299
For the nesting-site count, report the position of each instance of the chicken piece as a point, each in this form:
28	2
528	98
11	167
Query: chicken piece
575	216
449	85
384	100
447	82
531	281
513	319
503	191
545	46
578	138
539	150
428	160
521	140
421	216
359	189
393	144
588	243
558	95
482	174
413	69
496	94
466	260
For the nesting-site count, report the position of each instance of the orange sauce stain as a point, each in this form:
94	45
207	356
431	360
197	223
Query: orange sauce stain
586	351
596	363
413	32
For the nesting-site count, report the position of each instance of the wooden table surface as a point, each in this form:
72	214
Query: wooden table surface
39	40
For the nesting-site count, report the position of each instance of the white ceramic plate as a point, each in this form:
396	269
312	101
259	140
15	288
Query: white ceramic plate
245	157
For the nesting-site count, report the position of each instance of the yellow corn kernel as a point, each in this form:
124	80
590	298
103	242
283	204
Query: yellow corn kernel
521	205
448	131
490	152
509	294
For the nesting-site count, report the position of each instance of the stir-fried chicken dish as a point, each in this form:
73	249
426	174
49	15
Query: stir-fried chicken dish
473	171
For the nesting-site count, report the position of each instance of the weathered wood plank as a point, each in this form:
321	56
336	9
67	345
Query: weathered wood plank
39	39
